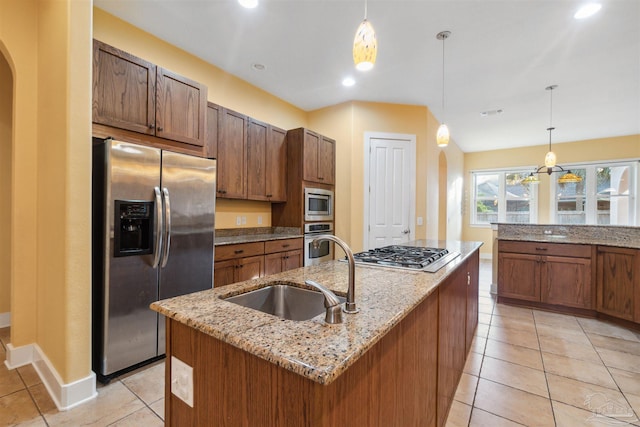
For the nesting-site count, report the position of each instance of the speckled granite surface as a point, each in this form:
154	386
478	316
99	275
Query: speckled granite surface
249	235
609	235
312	348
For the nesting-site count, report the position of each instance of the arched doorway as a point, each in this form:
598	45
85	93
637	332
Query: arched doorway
6	167
442	196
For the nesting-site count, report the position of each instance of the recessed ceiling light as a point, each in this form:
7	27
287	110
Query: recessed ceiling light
249	4
587	10
258	67
348	81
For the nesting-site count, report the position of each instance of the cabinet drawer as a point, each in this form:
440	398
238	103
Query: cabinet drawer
543	248
272	246
240	250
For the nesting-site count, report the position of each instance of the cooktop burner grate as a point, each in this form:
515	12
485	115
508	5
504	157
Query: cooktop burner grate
408	257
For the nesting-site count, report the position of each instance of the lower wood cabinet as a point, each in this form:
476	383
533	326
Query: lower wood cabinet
282	255
618	289
245	261
552	273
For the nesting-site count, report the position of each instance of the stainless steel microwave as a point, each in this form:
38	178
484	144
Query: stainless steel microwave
318	204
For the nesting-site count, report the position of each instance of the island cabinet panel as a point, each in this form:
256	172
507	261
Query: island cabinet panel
473	273
392	385
618	282
452	352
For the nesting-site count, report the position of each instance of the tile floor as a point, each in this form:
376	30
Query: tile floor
526	367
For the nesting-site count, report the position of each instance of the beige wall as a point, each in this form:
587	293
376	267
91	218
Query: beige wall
6	103
46	43
615	148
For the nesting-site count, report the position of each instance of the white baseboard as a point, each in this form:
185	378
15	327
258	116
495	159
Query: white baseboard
65	396
5	320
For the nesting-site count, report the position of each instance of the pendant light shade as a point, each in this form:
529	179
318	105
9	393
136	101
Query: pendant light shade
365	45
442	137
550	159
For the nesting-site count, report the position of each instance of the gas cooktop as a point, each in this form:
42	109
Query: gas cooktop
407	257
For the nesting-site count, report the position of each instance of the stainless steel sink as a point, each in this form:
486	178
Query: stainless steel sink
283	300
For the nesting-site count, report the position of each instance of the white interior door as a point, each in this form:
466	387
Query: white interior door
389	189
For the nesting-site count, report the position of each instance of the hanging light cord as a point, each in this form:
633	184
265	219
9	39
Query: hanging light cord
443	39
550	128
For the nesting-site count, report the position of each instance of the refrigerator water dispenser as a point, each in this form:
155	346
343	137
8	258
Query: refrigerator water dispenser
133	228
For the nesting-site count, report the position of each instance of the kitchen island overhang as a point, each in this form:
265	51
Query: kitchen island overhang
311	349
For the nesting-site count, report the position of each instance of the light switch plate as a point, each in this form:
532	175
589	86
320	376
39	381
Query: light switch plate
182	380
419	220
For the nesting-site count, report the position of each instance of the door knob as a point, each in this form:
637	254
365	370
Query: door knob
405	231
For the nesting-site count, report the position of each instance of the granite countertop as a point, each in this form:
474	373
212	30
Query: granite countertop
607	235
312	348
250	235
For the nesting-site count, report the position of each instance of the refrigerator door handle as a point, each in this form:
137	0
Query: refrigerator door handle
167	226
159	214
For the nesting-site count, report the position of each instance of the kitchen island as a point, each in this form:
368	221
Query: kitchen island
396	362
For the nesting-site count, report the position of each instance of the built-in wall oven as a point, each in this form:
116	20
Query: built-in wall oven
318	204
324	251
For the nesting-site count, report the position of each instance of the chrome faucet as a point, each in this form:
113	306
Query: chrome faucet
350	305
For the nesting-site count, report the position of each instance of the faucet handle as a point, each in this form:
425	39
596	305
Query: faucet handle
331	303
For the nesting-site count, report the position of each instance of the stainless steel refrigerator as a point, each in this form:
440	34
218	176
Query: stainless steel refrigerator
153	237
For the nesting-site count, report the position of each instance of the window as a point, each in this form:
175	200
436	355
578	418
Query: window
500	196
607	195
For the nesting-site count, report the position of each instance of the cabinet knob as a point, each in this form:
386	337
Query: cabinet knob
159	129
238	251
286	245
152	126
541	249
468	278
269	195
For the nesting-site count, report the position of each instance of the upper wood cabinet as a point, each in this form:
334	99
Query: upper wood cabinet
618	283
266	162
211	146
232	146
133	94
318	155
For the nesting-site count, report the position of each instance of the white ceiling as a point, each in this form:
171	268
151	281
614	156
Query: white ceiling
501	55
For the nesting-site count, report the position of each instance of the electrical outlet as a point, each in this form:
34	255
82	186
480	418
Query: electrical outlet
259	220
182	380
419	220
244	220
238	220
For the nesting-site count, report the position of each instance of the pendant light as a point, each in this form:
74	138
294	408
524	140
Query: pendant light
550	165
442	137
365	45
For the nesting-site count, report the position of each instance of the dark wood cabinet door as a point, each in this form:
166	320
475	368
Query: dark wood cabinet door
451	339
291	260
472	298
224	273
211	137
326	160
250	268
276	165
618	285
124	90
311	142
519	276
273	263
232	140
180	108
256	160
566	281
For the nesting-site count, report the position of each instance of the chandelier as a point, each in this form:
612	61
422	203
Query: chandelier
550	165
